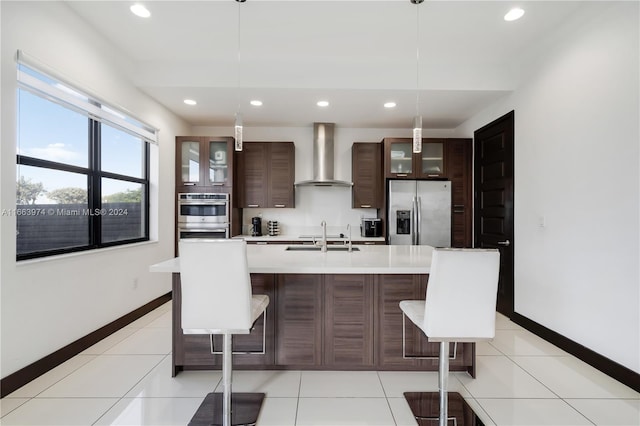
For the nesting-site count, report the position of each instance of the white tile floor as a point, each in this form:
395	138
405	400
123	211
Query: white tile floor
125	380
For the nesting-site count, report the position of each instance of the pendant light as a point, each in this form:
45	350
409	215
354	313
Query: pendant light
417	120
238	122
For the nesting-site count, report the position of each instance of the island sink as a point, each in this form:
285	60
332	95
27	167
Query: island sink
316	248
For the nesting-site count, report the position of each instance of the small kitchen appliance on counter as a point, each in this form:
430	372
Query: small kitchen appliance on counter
272	226
371	227
256	226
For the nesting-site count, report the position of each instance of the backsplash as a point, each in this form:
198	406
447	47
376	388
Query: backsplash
313	205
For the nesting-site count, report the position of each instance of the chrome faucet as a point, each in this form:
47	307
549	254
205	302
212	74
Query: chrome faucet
324	235
349	242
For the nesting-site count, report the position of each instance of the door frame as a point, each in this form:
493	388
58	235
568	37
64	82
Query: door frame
507	120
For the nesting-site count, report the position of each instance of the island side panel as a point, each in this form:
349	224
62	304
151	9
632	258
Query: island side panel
392	289
348	333
299	319
317	321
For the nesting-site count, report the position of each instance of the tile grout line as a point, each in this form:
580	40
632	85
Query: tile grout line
384	392
59	380
558	397
295	418
132	387
474	399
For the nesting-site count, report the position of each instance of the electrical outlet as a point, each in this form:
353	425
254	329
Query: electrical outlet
542	221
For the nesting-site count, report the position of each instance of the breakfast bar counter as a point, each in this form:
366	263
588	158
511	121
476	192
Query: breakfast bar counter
334	310
303	259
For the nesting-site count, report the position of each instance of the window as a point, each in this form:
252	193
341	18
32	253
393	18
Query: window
82	170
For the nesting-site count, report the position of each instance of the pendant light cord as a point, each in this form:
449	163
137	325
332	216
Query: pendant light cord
418	58
238	57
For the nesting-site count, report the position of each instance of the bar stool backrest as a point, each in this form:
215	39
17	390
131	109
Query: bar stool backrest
216	287
461	295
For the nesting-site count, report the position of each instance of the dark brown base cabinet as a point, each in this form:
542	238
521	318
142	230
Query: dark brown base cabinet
324	322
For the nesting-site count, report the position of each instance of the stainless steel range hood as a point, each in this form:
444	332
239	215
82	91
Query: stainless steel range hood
323	160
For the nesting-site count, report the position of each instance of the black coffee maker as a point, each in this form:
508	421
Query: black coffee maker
256	227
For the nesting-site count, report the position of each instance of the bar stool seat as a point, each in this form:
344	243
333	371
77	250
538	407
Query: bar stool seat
460	306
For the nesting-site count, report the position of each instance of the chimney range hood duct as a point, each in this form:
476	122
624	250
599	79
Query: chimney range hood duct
323	160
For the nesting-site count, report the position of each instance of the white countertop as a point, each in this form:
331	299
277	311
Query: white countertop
374	259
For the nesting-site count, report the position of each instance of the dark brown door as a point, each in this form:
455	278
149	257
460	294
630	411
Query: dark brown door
493	220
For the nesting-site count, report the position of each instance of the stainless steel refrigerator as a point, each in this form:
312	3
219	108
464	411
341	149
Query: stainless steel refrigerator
419	212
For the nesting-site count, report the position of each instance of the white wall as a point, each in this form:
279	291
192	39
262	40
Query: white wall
315	204
49	303
577	165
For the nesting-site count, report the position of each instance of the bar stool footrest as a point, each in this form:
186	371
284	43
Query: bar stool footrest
245	409
425	407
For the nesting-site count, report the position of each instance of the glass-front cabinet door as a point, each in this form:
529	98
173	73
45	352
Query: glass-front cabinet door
432	159
189	161
204	164
219	157
401	162
400	157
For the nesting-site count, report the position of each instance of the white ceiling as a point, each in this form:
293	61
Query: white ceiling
355	54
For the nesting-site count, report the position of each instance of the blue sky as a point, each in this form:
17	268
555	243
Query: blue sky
49	131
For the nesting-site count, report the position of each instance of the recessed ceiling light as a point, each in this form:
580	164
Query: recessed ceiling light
139	10
256	102
190	102
389	104
322	103
514	14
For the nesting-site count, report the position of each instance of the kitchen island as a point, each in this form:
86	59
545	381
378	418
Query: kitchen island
329	311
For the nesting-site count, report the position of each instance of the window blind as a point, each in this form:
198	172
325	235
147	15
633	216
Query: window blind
37	78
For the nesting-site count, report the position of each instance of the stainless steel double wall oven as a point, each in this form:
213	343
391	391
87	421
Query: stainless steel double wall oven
203	215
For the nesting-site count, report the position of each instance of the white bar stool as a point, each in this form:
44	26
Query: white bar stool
217	299
460	306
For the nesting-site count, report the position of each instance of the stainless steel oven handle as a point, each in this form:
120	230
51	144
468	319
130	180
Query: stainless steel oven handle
219	230
202	203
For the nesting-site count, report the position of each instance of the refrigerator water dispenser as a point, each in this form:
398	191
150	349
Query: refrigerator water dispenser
403	222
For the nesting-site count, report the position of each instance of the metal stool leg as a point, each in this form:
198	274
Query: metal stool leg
443	382
226	380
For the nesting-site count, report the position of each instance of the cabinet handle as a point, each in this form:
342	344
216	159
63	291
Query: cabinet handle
253	205
401	175
217	184
433	175
369	243
189	183
261	243
365	206
280	205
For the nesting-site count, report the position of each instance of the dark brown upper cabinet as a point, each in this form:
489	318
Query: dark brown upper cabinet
402	162
204	164
266	172
367	176
447	158
459	169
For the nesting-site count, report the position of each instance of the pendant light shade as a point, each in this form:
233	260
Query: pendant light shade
417	134
238	132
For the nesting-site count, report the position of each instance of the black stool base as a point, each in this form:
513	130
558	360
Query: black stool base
425	407
245	408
